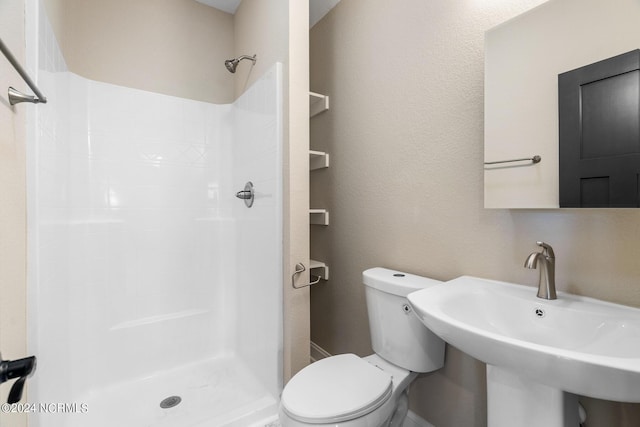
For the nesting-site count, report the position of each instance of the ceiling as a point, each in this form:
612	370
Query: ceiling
317	8
228	6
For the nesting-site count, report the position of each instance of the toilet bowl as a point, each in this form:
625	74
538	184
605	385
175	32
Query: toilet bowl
349	391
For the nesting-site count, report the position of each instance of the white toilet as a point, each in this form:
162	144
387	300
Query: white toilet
349	391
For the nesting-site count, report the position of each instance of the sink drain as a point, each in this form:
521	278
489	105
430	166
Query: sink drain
170	402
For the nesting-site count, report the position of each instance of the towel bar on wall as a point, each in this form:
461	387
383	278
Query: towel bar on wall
15	96
535	159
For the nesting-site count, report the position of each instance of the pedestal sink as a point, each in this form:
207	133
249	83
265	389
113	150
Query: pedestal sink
540	354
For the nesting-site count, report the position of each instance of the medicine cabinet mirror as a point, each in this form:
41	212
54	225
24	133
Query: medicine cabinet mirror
523	59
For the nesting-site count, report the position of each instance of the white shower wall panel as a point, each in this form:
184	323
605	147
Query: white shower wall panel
257	157
132	233
49	233
146	260
141	258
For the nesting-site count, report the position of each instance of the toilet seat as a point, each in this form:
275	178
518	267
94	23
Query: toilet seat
335	389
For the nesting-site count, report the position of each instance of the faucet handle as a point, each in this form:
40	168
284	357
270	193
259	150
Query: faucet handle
547	250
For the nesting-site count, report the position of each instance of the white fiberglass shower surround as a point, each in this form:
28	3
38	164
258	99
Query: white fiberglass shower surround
149	281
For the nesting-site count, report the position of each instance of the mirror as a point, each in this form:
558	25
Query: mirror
523	58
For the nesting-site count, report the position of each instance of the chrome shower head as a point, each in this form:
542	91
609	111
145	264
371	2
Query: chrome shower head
232	64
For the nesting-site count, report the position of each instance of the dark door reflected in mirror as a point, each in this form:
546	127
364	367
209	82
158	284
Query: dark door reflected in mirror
599	119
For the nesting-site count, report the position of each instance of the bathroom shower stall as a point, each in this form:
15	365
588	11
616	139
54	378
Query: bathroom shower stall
154	295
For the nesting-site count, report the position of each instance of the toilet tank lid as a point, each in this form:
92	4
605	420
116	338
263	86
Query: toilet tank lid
396	282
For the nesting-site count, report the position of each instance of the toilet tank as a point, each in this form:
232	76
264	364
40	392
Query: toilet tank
397	334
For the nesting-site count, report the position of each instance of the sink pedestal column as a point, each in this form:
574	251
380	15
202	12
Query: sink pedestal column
515	400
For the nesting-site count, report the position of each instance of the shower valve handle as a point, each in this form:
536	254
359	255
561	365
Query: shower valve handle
21	369
247	194
244	195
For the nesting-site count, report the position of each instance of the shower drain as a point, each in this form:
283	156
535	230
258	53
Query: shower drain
170	402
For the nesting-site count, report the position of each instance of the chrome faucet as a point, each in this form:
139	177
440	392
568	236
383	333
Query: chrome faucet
547	281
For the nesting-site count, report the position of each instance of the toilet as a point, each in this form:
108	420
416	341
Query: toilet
351	391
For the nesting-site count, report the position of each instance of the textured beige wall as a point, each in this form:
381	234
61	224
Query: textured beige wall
278	30
261	27
296	189
174	47
405	186
12	202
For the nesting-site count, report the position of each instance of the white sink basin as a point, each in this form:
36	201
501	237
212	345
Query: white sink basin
574	344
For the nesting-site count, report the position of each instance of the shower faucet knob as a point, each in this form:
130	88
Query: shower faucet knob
247	194
244	195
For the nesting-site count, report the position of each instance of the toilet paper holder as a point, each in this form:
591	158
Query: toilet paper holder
299	269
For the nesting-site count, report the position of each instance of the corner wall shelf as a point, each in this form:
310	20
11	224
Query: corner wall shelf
319	268
318	217
317	103
318	160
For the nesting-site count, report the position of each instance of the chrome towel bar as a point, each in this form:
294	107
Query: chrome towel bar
16	96
535	159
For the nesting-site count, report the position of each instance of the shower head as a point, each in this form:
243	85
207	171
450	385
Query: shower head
231	64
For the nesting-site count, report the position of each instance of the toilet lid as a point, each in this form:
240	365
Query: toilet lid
335	389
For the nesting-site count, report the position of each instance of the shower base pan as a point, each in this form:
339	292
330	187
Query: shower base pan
214	393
